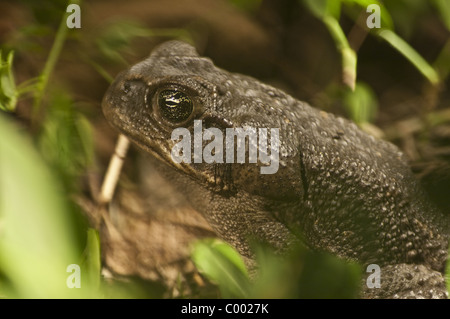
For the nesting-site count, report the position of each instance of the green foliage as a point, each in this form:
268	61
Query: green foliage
115	38
348	55
246	5
386	19
50	63
300	274
37	237
361	104
66	139
305	274
329	11
442	63
8	92
323	8
224	266
412	55
47	12
91	262
443	8
40	229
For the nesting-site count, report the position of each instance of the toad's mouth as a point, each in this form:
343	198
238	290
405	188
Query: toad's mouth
161	149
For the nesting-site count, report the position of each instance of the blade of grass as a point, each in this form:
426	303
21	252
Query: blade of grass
8	91
322	8
408	52
386	19
442	62
443	7
55	51
348	55
223	265
92	261
37	240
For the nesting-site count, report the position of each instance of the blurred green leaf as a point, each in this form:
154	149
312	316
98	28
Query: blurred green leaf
326	276
300	273
386	19
329	11
48	12
8	93
246	5
349	62
304	274
85	134
91	263
223	265
117	36
52	59
37	240
278	276
323	8
336	32
407	15
443	7
442	62
361	104
66	139
407	51
348	55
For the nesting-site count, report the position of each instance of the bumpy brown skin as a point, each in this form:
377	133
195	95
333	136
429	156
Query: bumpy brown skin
337	188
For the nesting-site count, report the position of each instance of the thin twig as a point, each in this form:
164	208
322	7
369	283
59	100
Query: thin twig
114	169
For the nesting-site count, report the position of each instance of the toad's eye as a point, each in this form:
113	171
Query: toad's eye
175	106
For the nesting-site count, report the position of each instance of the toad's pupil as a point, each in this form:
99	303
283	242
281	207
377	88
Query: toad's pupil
175	106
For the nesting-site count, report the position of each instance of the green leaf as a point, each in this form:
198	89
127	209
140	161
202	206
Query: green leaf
323	8
223	265
443	7
361	104
8	92
66	139
246	5
91	263
37	239
116	37
386	19
348	55
302	273
407	51
50	63
84	133
329	11
442	62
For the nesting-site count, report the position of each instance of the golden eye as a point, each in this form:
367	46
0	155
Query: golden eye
175	106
